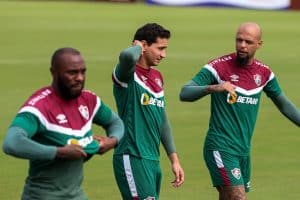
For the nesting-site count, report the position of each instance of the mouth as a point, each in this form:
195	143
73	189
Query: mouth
243	53
77	86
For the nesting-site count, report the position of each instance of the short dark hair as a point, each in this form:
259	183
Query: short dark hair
55	60
150	32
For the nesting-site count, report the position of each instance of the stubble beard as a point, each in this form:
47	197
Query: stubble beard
67	92
242	61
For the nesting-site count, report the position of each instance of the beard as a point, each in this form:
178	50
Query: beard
242	60
67	91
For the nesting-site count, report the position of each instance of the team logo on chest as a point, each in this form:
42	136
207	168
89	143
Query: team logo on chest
84	111
158	82
61	118
234	78
257	79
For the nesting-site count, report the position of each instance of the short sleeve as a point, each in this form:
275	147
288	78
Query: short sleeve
272	88
103	115
26	121
204	77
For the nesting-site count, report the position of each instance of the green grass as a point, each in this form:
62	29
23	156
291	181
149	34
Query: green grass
31	31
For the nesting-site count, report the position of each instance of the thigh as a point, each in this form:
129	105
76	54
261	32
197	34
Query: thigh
137	178
224	168
246	171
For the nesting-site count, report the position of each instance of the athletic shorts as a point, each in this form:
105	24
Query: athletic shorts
137	178
228	170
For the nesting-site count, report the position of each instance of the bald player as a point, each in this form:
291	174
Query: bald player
235	82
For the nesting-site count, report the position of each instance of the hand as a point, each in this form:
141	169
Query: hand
105	143
139	43
177	170
179	175
225	86
71	152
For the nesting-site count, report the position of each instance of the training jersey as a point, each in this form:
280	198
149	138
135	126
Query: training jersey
140	102
232	121
52	121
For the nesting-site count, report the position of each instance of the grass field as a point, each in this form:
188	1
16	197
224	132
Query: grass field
31	31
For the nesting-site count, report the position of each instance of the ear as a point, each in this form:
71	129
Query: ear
259	44
52	70
145	45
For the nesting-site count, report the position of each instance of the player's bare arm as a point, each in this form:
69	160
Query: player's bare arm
177	170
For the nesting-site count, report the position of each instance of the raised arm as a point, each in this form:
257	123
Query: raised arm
127	61
287	108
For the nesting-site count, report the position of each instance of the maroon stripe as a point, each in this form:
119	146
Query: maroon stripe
224	176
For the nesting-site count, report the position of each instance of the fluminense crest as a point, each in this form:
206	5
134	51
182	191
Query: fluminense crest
84	111
257	79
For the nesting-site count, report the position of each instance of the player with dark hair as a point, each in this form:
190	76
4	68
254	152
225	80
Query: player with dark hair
139	95
235	83
53	130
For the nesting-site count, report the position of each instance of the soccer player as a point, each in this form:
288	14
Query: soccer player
235	83
139	96
53	130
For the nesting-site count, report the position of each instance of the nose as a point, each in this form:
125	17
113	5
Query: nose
80	77
243	43
163	54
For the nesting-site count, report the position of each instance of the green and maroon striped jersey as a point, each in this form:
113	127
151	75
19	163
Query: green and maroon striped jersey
232	122
50	120
141	103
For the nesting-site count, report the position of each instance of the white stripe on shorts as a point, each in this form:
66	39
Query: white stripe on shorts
218	159
129	176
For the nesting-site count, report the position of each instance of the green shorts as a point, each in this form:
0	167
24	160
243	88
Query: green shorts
228	170
137	178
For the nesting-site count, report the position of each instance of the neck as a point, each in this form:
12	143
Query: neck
59	92
143	64
245	62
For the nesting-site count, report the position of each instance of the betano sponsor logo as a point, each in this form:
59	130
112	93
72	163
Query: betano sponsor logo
242	99
147	100
82	142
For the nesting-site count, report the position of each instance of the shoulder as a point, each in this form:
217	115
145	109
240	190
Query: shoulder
264	70
90	99
222	60
39	97
89	95
262	66
220	64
